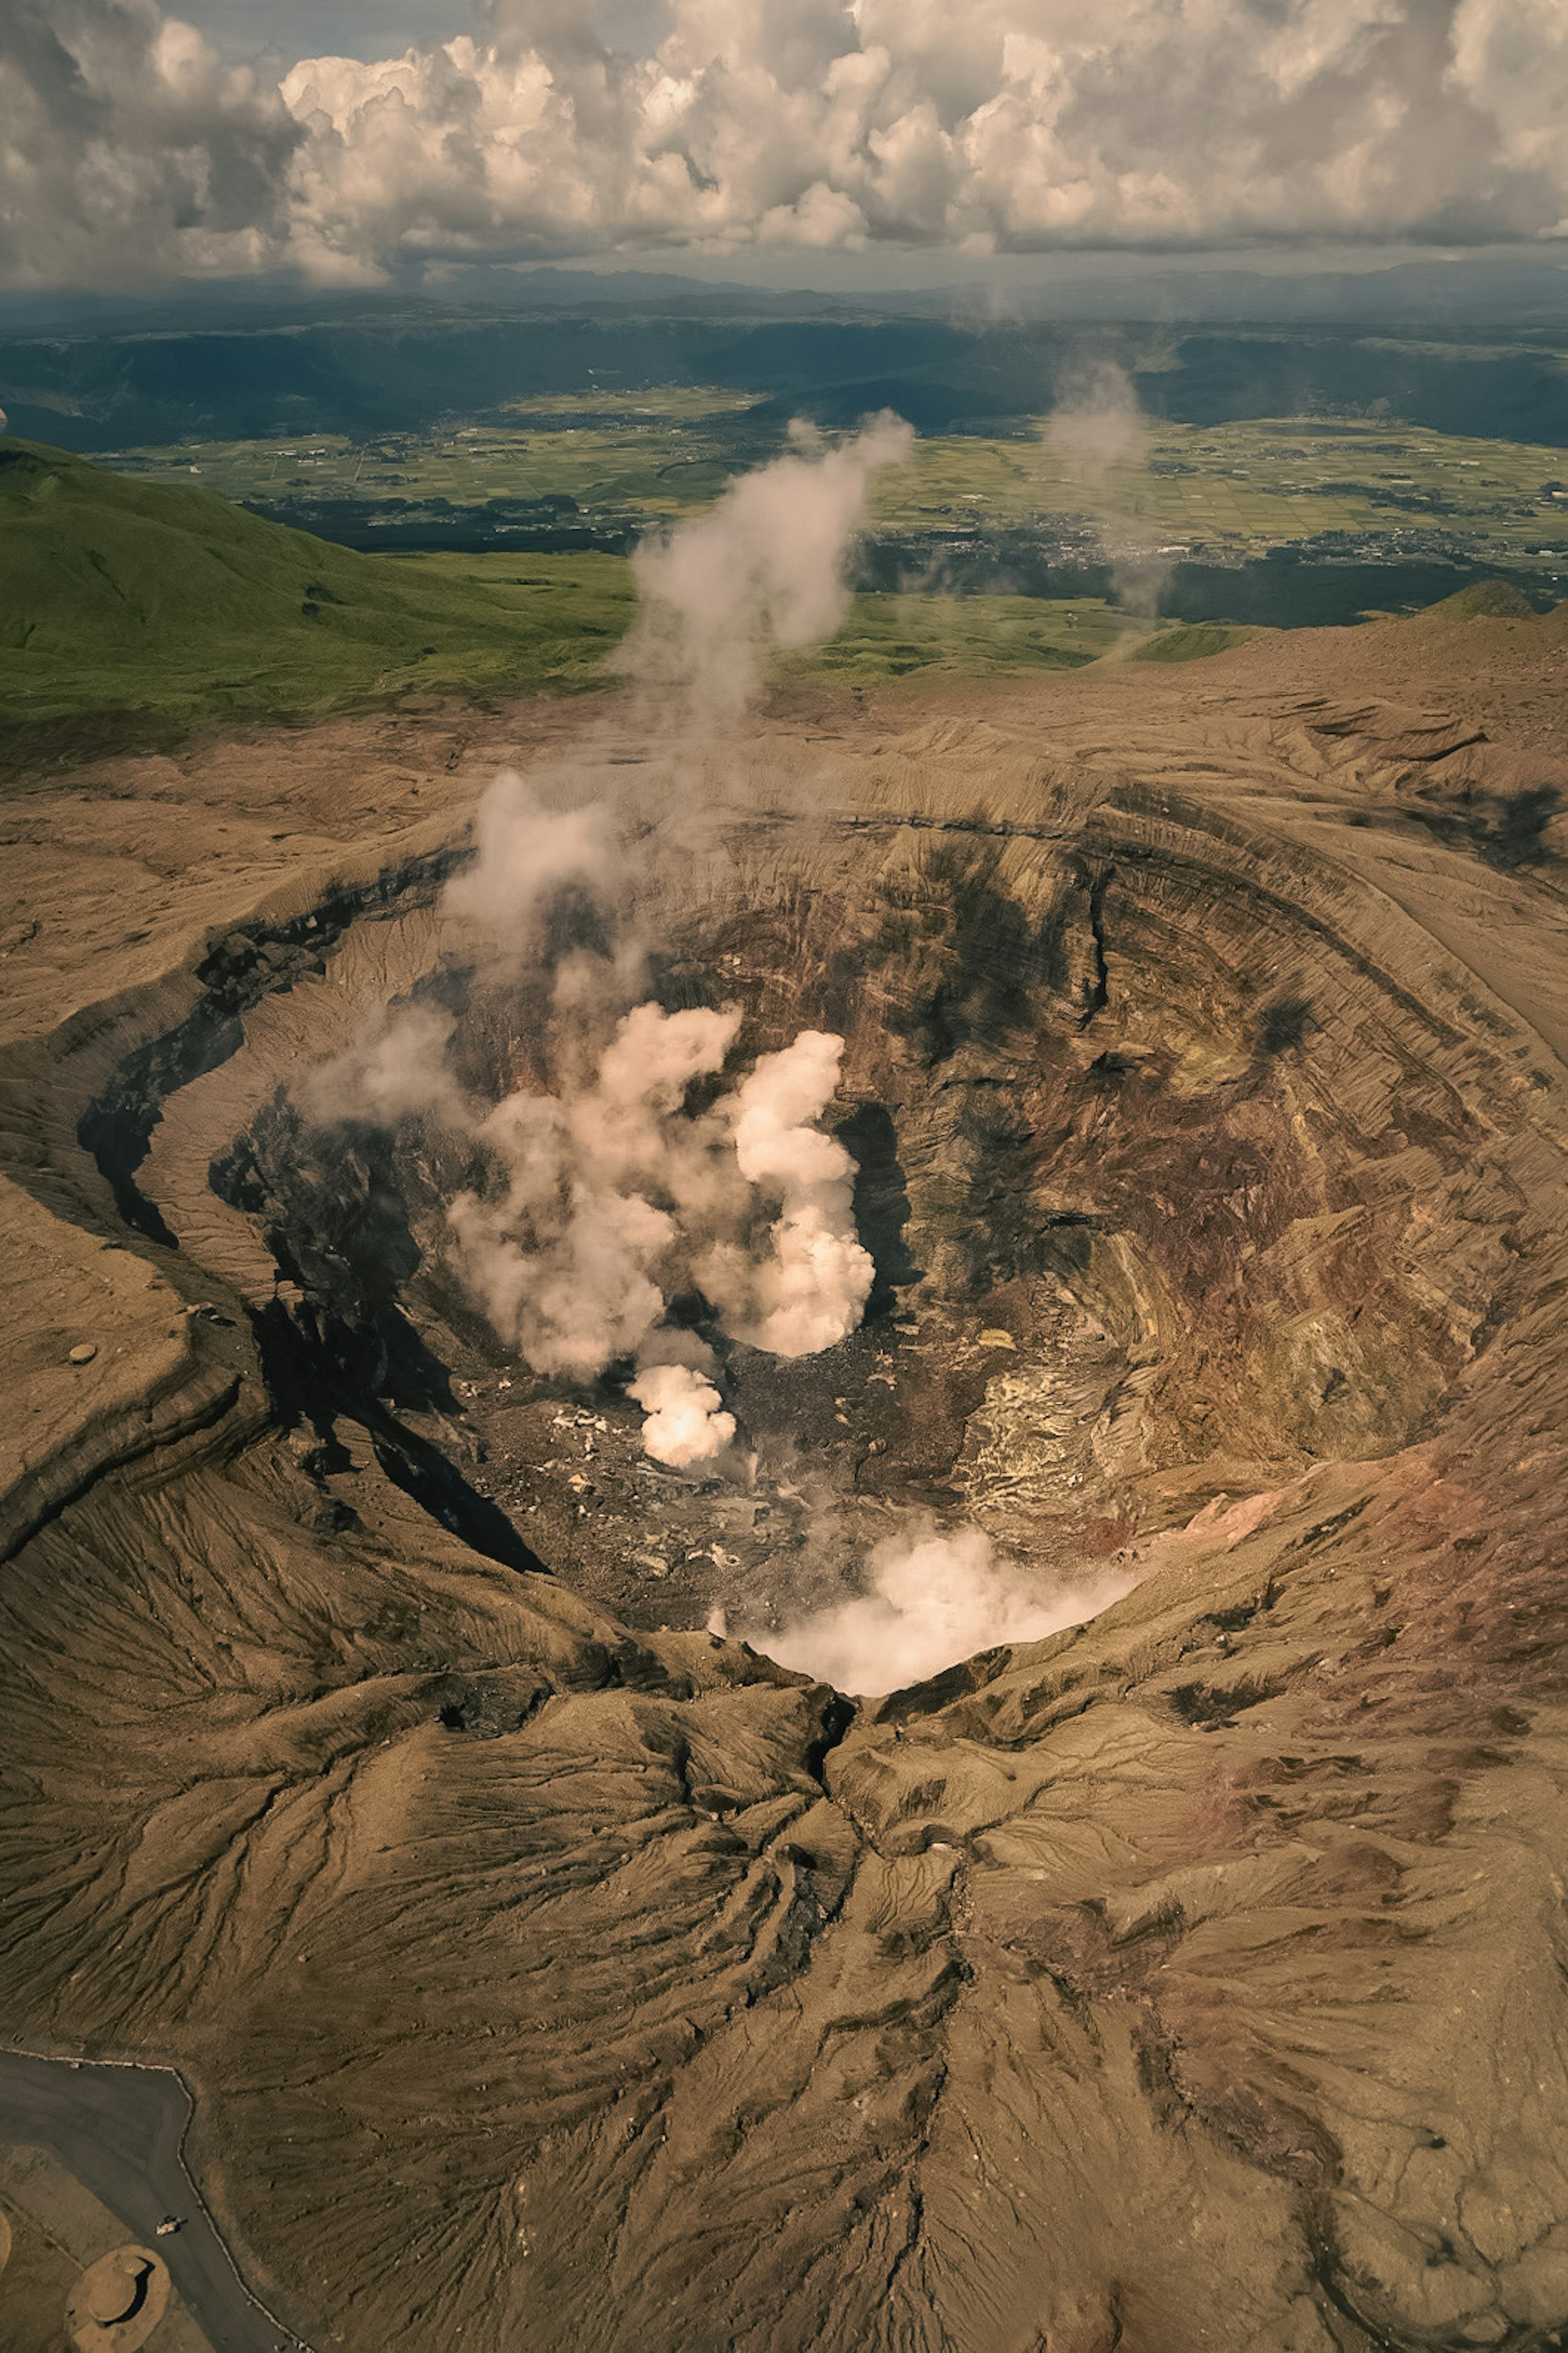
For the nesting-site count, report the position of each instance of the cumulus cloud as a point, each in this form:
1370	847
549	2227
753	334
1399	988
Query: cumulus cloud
132	152
1016	124
935	1600
1510	61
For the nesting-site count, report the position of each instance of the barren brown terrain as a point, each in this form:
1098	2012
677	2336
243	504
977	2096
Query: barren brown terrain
555	1974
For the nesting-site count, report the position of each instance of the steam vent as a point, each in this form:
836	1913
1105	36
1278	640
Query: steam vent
951	1738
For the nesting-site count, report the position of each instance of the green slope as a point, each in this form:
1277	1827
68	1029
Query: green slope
164	604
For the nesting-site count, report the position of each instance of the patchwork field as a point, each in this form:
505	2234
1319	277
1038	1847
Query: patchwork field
626	462
652	454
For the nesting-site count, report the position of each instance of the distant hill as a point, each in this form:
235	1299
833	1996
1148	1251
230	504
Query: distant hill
154	601
360	369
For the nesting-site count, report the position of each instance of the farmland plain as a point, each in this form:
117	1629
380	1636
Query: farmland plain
623	463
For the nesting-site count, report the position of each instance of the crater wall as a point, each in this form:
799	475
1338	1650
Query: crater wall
551	1971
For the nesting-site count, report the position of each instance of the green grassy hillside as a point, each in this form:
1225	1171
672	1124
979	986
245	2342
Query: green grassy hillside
160	602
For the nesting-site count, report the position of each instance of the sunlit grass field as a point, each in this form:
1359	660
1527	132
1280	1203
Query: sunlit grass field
156	598
149	596
429	624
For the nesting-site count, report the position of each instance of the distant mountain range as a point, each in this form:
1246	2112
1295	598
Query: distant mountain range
1487	292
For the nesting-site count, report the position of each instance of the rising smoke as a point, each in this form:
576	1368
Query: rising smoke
765	568
686	1420
811	1290
616	1190
617	1196
651	1169
1097	423
395	1070
523	855
572	1262
620	1197
1096	433
935	1598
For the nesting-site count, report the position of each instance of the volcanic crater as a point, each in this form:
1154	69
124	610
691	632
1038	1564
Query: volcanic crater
1167	1188
1191	1977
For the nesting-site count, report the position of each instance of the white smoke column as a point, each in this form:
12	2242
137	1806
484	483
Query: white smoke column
524	854
1097	423
570	1303
937	1599
627	1127
812	1291
765	567
1098	428
685	1420
564	1265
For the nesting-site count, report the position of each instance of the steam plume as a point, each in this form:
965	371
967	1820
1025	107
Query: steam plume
764	568
684	1423
563	1262
1097	429
936	1600
611	1195
617	1198
525	854
396	1070
811	1289
1097	423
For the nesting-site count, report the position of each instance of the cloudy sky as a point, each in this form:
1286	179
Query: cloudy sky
341	139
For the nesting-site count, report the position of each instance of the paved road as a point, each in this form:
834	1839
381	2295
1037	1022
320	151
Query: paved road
120	2130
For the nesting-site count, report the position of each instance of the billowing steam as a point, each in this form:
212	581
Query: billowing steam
620	1197
656	1181
1097	423
396	1070
764	568
936	1598
524	855
811	1289
599	1188
686	1422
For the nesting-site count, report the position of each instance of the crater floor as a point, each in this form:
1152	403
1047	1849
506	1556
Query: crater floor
552	1970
